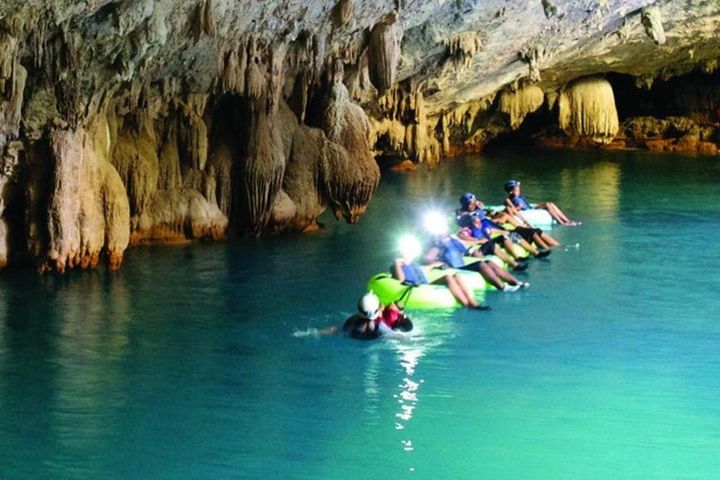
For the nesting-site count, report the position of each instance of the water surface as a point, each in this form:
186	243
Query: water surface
183	364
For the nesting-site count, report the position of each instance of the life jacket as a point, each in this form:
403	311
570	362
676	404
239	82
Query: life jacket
452	253
487	223
414	274
479	232
484	230
396	320
520	202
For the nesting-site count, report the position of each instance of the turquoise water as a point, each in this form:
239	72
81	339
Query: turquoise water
183	364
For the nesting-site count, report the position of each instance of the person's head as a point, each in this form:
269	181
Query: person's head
467	201
476	220
512	187
440	239
409	248
369	305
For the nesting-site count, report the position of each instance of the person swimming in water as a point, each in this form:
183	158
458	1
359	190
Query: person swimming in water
373	320
516	203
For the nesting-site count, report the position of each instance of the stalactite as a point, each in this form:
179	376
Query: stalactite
587	108
551	98
193	134
405	126
277	75
63	59
136	159
242	68
256	74
349	172
301	183
230	73
11	101
463	116
342	13
88	209
517	104
469	126
169	174
8	60
319	50
444	130
535	52
233	69
9	161
462	47
625	31
710	66
425	146
262	171
652	21
204	23
384	52
220	168
644	81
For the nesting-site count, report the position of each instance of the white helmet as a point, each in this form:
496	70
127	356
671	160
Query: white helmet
369	305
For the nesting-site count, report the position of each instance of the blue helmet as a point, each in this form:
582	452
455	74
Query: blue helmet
510	185
466	199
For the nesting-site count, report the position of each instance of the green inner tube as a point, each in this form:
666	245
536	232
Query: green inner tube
427	296
389	289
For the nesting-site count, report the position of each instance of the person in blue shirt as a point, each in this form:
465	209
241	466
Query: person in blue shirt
469	204
523	236
482	239
411	273
516	203
487	237
447	251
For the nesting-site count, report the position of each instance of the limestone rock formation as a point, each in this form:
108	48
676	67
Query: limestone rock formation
652	21
404	132
517	104
384	52
672	134
349	172
587	109
88	211
159	120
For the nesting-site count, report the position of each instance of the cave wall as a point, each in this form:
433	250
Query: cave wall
125	122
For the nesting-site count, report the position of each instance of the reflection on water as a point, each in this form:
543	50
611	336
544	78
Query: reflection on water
93	324
408	396
372	391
